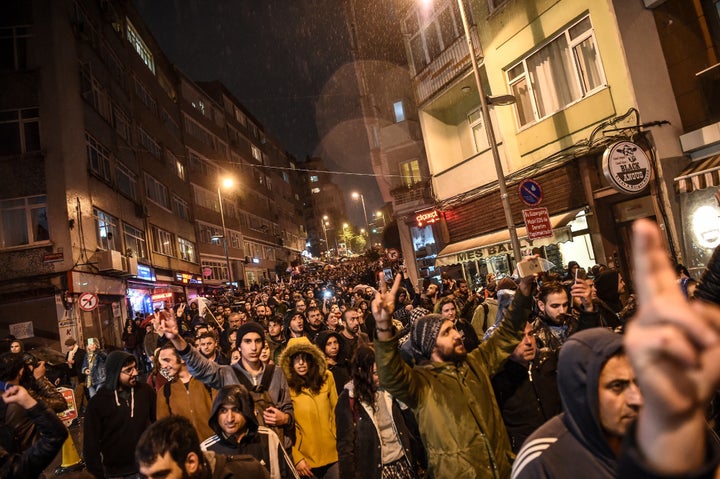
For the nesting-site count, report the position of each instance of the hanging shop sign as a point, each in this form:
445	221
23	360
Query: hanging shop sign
188	278
427	217
626	167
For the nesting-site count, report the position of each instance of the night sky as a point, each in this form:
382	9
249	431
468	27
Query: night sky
289	63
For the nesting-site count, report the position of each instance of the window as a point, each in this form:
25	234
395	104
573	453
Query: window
410	171
19	131
98	157
314	179
203	135
256	153
24	221
149	143
108	235
156	192
126	181
399	111
563	71
169	122
140	47
202	165
219	270
206	232
180	208
180	169
206	198
121	123
95	93
135	241
162	241
14	47
432	32
477	127
145	96
187	250
235	241
315	191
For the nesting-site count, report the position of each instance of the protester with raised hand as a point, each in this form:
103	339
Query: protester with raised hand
450	394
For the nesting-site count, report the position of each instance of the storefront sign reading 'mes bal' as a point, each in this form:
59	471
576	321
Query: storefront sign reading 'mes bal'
427	217
626	167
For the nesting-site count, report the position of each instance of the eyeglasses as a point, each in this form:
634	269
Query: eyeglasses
129	371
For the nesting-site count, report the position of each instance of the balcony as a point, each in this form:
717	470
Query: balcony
417	193
400	134
445	67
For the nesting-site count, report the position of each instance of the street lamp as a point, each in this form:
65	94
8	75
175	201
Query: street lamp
225	183
357	195
484	106
325	224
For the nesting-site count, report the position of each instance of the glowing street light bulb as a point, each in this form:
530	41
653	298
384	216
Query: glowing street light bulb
227	182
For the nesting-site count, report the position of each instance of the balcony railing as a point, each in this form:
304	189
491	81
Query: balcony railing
445	67
407	194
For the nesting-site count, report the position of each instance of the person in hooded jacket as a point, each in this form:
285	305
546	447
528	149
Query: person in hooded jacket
601	401
314	396
237	432
613	311
116	417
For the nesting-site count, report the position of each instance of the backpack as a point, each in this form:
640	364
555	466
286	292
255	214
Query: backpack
261	396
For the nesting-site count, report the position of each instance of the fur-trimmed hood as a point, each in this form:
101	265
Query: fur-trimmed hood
301	345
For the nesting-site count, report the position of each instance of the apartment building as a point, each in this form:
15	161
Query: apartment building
586	77
110	162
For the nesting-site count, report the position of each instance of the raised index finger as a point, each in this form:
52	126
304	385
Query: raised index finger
655	275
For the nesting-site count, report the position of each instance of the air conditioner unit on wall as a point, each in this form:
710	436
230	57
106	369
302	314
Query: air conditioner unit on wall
130	265
109	261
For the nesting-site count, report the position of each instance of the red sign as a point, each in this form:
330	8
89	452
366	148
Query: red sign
71	412
53	257
537	223
427	218
88	301
160	297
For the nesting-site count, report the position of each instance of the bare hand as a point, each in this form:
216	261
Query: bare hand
275	417
18	395
39	370
383	305
582	291
673	346
303	469
180	310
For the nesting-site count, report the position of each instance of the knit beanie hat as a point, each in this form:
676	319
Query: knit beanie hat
424	334
418	313
249	327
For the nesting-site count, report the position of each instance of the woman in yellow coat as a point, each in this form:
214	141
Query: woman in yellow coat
314	396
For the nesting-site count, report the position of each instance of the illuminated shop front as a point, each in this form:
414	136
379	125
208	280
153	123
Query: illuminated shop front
700	213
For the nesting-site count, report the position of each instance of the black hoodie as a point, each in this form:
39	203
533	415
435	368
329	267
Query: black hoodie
115	420
573	443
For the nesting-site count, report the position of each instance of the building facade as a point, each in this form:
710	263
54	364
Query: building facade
107	197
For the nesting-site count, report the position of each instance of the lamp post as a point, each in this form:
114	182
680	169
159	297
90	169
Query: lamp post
491	138
324	227
227	183
357	195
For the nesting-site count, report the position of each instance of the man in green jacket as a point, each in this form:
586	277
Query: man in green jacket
451	394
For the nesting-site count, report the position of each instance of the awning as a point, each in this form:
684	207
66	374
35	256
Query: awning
699	175
498	242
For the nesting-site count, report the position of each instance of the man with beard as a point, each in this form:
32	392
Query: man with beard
350	334
170	449
554	323
315	324
601	400
116	417
449	390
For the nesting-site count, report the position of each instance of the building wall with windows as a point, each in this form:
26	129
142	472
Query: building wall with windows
109	162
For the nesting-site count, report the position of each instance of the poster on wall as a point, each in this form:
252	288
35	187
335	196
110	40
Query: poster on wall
22	330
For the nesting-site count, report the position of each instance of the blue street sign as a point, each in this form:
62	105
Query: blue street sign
530	192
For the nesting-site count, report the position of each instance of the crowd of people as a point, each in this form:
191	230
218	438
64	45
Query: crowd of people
344	372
